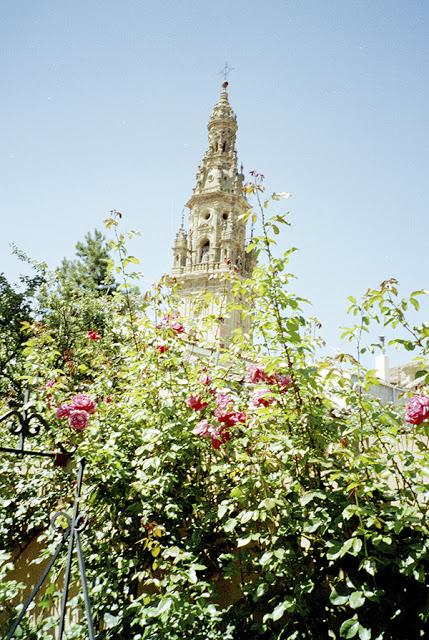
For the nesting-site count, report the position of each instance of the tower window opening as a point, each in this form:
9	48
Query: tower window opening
204	256
225	215
224	146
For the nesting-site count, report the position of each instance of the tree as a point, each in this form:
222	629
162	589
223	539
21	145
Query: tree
15	311
90	271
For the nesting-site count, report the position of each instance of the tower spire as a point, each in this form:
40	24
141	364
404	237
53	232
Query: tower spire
215	242
218	171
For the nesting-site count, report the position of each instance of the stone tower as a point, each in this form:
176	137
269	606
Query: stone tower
214	245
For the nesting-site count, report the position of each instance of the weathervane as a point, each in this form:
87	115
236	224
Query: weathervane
225	71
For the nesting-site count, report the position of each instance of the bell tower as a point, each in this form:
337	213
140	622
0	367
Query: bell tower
214	245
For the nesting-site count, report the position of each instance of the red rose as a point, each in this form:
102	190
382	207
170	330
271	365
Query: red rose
256	374
93	335
282	381
417	410
63	410
262	398
84	402
162	348
178	327
196	403
78	419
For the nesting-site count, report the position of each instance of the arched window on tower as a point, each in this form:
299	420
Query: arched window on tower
204	253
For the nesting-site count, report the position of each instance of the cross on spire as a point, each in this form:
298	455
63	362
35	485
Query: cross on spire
225	71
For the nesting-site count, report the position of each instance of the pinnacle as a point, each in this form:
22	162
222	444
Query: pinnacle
222	109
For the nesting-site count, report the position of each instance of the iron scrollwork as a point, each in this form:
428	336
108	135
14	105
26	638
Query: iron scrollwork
26	423
76	524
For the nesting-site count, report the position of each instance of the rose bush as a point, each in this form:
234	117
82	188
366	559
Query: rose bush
302	515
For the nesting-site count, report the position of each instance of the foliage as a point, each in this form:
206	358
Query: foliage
246	492
90	270
15	308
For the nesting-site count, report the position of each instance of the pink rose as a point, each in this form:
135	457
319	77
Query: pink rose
256	374
262	398
170	316
417	410
78	419
203	429
84	402
240	416
49	384
178	327
218	435
205	379
63	410
282	381
223	400
196	403
93	335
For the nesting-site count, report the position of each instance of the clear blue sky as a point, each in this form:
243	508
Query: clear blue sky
105	105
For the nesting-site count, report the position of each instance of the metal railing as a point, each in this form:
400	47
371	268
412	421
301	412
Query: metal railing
26	423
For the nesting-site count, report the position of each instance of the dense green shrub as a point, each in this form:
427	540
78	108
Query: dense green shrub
248	492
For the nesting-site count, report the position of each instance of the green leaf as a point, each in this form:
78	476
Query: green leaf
349	628
110	621
242	542
356	546
221	510
313	524
310	495
357	599
337	598
279	611
350	511
193	576
268	503
265	559
246	516
230	525
338	550
364	634
163	606
369	565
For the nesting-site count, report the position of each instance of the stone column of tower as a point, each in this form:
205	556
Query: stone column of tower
215	242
